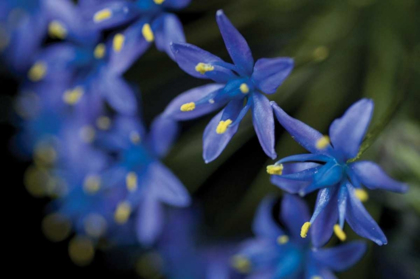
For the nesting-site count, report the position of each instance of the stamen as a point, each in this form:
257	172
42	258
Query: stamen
283	239
122	213
223	125
135	137
148	33
131	181
339	232
158	2
72	97
244	88
241	264
275	169
37	72
304	230
102	15
100	51
188	106
203	68
118	42
92	184
323	142
103	122
361	194
57	30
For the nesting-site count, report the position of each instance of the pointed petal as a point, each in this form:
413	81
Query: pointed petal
263	119
264	225
302	133
170	31
119	95
347	132
269	74
189	57
176	4
322	227
193	95
292	186
341	257
294	212
360	220
112	14
163	133
236	45
149	221
374	177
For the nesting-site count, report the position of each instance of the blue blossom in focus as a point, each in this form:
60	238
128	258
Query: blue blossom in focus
330	170
238	88
279	252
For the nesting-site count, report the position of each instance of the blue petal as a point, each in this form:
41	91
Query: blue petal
236	45
169	31
264	225
149	221
348	131
373	177
322	228
189	56
325	196
163	133
121	13
263	119
294	212
341	257
305	158
330	174
176	4
314	269
290	266
193	95
269	74
360	220
302	133
292	186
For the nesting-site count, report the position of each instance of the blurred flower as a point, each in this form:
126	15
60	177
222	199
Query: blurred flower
331	170
278	252
238	86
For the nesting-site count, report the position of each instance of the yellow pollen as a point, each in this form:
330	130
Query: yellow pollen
57	30
37	72
283	239
339	232
103	122
135	137
223	125
203	68
92	184
275	169
323	142
304	230
158	2
72	97
102	15
122	213
87	133
118	42
188	106
100	51
241	264
244	88
131	181
361	194
148	33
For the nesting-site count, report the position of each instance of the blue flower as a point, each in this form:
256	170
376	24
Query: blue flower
238	88
153	22
330	169
278	252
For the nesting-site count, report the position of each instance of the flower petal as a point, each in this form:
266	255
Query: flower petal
348	131
269	74
193	95
264	225
341	257
163	133
292	186
263	119
302	133
360	220
170	31
112	14
149	221
176	4
374	177
294	212
236	45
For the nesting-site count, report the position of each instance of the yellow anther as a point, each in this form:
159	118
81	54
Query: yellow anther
131	181
283	239
158	2
72	97
323	142
103	122
361	194
223	125
203	68
87	134
135	137
81	250
244	88
37	72
148	33
92	184
122	213
241	264
275	169
95	225
102	15
99	51
188	106
57	30
304	230
339	232
118	42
